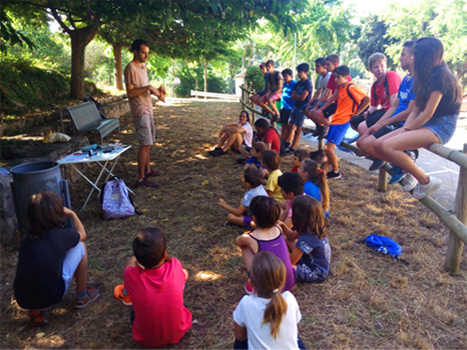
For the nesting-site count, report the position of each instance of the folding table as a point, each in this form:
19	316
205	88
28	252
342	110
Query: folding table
102	159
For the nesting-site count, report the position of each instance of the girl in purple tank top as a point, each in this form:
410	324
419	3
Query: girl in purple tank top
267	236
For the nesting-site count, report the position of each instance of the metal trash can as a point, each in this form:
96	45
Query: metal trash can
33	178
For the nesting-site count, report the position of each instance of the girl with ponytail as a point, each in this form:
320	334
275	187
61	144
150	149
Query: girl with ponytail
316	184
268	318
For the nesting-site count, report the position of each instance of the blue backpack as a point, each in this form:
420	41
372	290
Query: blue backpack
384	245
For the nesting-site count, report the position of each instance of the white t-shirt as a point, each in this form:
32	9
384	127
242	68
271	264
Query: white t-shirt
252	193
322	82
249	313
248	136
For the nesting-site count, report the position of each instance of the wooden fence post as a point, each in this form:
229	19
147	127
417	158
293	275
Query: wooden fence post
455	244
383	180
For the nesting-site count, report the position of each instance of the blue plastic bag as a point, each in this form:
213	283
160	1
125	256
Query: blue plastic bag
384	245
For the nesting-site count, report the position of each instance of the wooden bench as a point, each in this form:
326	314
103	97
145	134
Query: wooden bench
87	118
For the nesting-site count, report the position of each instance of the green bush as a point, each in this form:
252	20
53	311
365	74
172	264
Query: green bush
254	78
26	88
188	81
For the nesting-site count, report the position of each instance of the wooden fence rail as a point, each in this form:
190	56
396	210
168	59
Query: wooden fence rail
456	220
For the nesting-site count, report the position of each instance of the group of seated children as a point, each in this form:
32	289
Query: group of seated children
287	239
401	117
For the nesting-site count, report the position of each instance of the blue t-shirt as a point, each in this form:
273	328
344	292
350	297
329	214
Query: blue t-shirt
299	88
316	254
255	161
312	190
252	193
405	94
286	99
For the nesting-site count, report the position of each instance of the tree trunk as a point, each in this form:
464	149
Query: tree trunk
117	49
205	76
79	39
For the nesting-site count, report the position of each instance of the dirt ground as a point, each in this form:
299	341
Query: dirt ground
368	301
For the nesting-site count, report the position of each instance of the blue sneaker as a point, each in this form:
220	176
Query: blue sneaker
397	176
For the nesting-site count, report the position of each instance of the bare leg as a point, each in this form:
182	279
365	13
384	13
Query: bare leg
223	138
264	106
81	273
248	255
362	128
237	220
238	142
298	134
230	141
143	161
392	149
272	103
291	132
332	158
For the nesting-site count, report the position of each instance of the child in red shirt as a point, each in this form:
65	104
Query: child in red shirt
154	283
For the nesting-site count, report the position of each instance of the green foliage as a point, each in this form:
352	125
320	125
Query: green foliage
373	39
10	35
25	87
254	78
445	20
191	78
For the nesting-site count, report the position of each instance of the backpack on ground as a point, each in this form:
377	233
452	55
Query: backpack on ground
115	200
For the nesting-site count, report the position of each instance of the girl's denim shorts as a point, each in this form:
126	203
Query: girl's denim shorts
443	127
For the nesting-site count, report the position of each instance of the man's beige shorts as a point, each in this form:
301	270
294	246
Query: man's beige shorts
145	130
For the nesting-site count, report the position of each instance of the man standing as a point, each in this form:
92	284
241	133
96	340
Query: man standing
139	93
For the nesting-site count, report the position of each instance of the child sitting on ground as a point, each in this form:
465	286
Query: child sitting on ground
240	216
50	255
268	319
298	156
253	160
291	185
311	252
316	184
270	161
154	283
267	236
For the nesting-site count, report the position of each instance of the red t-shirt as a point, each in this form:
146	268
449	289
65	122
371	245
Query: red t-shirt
394	80
157	297
332	85
294	169
271	136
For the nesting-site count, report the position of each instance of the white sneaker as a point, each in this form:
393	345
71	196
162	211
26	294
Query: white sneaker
409	182
423	191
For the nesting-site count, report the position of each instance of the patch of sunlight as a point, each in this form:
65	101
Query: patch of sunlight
134	163
60	311
200	156
127	131
54	341
207	276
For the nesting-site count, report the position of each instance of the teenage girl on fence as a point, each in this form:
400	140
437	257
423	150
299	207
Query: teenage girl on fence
316	184
309	246
433	120
267	236
268	319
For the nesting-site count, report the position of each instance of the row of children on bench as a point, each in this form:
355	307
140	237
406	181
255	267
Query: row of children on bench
390	107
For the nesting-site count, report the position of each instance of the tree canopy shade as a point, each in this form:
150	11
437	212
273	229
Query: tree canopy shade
175	28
